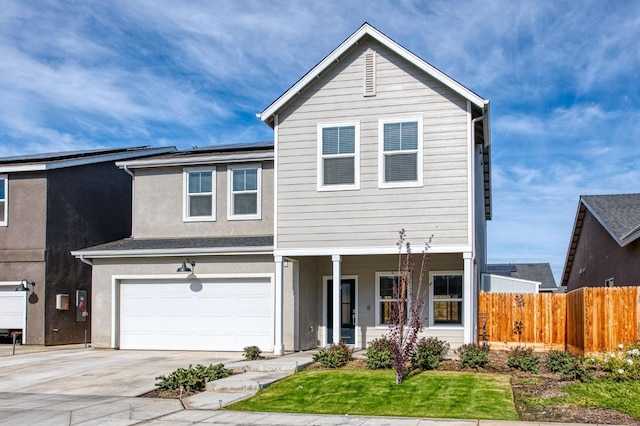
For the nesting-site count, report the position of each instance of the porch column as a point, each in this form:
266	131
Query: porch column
467	305
336	259
278	348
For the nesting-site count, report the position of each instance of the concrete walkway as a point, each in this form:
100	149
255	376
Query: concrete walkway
61	397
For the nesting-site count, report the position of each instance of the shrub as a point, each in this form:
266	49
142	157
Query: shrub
192	379
379	354
473	355
570	366
334	356
523	359
623	364
558	361
252	353
429	353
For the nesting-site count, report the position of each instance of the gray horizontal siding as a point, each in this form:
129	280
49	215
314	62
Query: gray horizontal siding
372	216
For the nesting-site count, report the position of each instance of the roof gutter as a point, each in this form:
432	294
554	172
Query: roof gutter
195	160
192	251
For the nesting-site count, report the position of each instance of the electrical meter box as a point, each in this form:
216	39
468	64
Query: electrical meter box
62	302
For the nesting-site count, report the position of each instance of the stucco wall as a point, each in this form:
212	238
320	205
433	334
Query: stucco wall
159	206
22	244
87	205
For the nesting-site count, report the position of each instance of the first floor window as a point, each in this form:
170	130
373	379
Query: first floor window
386	300
447	298
401	153
338	156
4	183
199	194
244	192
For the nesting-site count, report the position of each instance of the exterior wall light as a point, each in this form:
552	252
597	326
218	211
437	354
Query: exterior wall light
24	286
184	267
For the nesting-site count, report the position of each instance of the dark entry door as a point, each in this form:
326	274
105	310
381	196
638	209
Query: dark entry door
347	310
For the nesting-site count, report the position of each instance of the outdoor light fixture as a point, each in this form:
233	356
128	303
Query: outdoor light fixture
24	286
184	267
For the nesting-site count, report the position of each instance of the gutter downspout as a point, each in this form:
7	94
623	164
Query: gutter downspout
133	198
474	260
85	260
473	141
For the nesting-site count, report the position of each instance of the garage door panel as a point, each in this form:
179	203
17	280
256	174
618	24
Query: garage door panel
216	315
12	308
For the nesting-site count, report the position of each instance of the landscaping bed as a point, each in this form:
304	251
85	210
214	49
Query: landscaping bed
534	396
600	390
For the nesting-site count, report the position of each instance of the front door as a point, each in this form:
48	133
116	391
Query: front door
348	311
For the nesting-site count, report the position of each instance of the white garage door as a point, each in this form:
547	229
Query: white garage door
214	315
12	307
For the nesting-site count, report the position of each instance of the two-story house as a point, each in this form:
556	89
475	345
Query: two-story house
198	270
373	140
280	244
50	204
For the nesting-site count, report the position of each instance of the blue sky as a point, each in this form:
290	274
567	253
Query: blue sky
562	77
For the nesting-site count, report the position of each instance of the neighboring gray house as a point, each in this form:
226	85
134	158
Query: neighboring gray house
519	278
368	142
604	250
50	204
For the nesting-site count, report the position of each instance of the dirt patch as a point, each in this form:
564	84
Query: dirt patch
547	385
175	394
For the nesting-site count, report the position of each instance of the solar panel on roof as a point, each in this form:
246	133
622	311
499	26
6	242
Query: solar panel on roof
501	269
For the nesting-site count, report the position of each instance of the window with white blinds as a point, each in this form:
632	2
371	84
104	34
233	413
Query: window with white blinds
244	186
199	194
338	159
401	153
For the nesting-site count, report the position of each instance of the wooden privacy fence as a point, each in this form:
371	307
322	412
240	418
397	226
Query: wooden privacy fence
587	320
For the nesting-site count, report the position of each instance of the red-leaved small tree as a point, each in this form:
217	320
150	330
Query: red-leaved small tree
404	328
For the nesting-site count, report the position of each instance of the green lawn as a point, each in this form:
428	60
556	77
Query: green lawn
447	394
603	393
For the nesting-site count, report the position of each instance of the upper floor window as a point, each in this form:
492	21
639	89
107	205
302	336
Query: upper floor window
338	156
4	207
446	298
244	200
199	194
400	158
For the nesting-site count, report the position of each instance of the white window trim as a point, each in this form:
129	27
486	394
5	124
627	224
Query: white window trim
432	323
5	180
378	300
230	198
419	153
185	195
355	155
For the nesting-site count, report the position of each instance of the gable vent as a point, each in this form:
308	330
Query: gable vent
370	74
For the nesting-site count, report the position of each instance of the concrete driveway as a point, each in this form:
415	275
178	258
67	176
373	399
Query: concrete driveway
87	371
